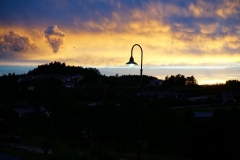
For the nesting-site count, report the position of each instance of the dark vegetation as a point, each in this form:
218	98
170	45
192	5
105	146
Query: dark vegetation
108	130
179	80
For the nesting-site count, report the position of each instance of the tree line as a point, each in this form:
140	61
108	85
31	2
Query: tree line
92	76
62	68
179	80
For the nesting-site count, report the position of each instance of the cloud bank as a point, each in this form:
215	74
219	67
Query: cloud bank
12	41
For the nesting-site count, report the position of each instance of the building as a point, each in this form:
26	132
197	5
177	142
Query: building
202	98
23	110
72	81
31	87
151	95
230	97
156	82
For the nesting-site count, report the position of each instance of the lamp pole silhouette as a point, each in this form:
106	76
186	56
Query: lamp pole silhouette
131	63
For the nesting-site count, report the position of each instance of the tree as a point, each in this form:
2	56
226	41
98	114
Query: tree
233	84
166	78
180	80
191	81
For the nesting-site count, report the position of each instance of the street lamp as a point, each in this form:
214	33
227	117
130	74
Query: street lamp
131	63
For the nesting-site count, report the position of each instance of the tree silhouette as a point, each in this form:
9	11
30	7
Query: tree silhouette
179	80
191	81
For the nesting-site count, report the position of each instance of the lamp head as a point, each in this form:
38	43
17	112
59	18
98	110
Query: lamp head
131	62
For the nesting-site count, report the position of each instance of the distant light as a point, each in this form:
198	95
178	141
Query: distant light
131	65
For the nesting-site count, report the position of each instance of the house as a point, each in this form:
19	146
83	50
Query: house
156	82
230	97
20	79
69	84
45	111
31	87
202	98
94	104
28	109
22	111
151	95
78	77
71	81
48	113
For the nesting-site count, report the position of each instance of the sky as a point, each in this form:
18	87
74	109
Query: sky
188	37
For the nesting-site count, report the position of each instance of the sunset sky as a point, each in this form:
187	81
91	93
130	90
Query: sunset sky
189	37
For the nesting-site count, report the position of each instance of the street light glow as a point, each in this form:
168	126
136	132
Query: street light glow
131	65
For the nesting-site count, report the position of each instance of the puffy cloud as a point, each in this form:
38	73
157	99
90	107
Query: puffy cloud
16	42
223	9
227	8
54	37
208	28
202	8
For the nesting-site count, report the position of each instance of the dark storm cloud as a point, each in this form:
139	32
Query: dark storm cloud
53	31
60	12
12	41
54	37
64	13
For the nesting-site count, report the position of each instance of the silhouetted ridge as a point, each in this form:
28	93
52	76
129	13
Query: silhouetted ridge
61	68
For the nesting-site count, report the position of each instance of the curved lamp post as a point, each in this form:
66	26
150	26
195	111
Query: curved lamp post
131	63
